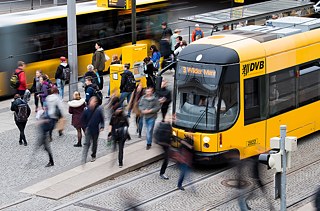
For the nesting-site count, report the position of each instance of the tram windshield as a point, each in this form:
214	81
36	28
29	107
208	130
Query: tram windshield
200	97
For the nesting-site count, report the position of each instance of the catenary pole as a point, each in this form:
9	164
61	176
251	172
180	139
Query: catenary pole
283	194
133	20
72	47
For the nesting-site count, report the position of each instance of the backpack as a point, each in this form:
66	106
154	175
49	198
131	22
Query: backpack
98	94
22	113
66	73
198	33
131	83
163	133
14	80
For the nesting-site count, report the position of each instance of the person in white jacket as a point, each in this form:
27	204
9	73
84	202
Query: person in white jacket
179	49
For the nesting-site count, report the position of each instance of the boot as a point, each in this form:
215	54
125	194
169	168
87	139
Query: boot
50	164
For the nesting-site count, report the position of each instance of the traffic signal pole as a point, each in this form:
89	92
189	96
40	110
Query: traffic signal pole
72	47
283	134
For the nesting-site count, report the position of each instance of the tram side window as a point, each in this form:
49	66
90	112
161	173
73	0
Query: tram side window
281	92
309	83
251	101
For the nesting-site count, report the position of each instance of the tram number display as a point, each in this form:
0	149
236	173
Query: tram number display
117	3
197	71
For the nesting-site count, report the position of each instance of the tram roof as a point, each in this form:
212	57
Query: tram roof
247	12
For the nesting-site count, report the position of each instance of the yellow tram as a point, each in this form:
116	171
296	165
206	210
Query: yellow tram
234	89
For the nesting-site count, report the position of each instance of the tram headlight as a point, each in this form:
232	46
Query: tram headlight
206	139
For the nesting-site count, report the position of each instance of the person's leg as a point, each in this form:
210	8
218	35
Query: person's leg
94	146
19	125
23	136
128	100
36	101
182	168
59	86
63	82
120	156
140	125
79	134
86	146
164	111
48	149
123	95
150	125
165	159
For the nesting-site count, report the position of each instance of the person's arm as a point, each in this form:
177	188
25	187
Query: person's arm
156	107
193	35
70	110
13	106
58	72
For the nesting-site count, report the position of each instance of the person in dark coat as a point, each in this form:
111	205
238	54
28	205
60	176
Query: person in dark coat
36	89
93	120
21	123
76	108
119	130
164	95
98	61
149	71
44	90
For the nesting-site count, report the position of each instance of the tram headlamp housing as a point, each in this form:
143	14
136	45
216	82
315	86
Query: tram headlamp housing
206	139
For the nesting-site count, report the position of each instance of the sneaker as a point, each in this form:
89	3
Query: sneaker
25	143
163	176
181	188
93	159
120	165
148	147
20	142
139	136
77	145
49	164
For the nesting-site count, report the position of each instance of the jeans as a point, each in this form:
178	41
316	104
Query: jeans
88	137
60	85
184	170
22	126
123	96
150	125
139	123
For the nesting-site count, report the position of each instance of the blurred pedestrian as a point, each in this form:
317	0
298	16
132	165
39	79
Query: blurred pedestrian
98	61
21	114
134	106
127	86
164	95
166	31
163	136
149	106
93	120
44	90
155	56
22	79
119	130
185	159
36	89
197	33
173	39
62	75
76	108
150	71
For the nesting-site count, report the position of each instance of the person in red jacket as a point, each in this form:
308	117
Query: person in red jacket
22	78
197	33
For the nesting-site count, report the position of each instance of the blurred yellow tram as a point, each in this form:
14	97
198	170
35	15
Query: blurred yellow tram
234	89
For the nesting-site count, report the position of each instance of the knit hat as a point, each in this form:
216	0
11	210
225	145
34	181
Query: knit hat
63	59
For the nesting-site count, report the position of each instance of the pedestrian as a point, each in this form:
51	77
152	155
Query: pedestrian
36	89
166	31
163	136
119	130
21	113
76	108
150	71
173	39
90	88
127	86
183	44
44	90
164	96
178	43
92	74
155	56
93	121
134	106
22	79
62	75
197	33
98	61
165	50
185	159
149	106
55	111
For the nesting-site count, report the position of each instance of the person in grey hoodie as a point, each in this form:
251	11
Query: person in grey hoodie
149	106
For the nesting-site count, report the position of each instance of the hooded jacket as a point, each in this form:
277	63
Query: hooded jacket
53	103
99	59
147	103
76	108
22	79
59	72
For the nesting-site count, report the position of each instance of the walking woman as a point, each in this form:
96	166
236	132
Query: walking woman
149	71
36	89
44	90
76	108
134	106
21	113
155	57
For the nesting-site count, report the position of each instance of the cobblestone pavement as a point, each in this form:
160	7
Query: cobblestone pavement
19	169
207	194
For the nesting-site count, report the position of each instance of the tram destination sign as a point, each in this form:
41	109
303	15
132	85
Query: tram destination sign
117	3
197	71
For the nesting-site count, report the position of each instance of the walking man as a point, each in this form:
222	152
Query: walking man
62	75
98	61
149	106
127	86
93	120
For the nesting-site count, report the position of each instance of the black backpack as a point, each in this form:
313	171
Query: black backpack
14	80
98	94
22	113
66	73
131	83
